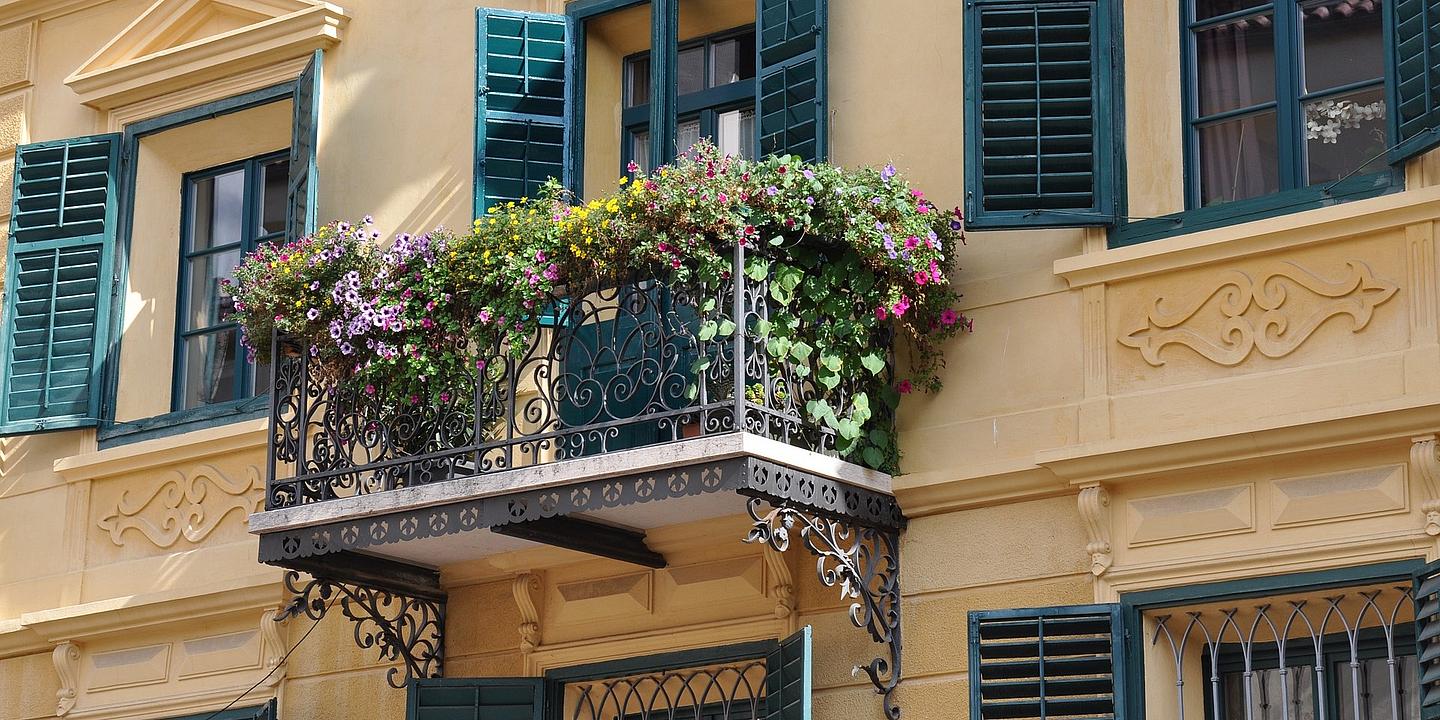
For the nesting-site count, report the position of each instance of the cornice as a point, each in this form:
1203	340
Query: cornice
127	614
271	41
1252	238
18	11
1122	461
146	454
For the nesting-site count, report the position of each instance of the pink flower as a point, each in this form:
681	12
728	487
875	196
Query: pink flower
948	317
879	313
369	389
921	278
444	397
912	242
904	387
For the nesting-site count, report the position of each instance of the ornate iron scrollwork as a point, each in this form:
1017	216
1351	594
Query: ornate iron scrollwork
864	562
399	627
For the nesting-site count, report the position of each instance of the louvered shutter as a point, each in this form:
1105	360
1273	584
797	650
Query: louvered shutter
1414	76
790	95
787	678
304	141
476	699
520	104
1058	662
1427	638
1039	145
58	283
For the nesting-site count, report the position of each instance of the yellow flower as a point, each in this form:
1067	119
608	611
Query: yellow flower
624	179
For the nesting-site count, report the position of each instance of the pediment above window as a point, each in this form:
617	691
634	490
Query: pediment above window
178	44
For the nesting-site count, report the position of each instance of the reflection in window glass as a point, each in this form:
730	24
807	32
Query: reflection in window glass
1268	699
687	133
1374	684
219	209
272	203
690	70
638	82
1239	159
1205	9
640	149
1345	134
1236	64
735	133
1343	44
732	60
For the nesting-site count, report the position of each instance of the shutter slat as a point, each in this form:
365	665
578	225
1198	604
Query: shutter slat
59	283
521	104
790	99
1426	595
476	699
1413	78
1044	663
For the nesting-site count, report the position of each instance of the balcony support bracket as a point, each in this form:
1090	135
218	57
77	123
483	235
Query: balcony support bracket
407	627
862	561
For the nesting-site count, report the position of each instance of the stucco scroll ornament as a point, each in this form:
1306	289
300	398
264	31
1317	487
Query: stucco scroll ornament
527	588
1425	462
187	505
782	587
1263	314
272	645
863	562
1095	511
67	666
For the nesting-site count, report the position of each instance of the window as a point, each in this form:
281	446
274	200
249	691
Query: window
1038	90
1357	643
715	97
1284	95
227	212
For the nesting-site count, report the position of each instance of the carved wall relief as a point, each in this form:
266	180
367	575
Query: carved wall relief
1273	313
67	666
189	505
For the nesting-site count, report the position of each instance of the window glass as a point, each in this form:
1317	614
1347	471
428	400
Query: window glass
1342	43
640	149
1374	685
690	70
219	210
1273	695
1205	9
1344	135
210	368
638	81
276	176
1239	159
209	304
1236	64
687	133
735	133
732	60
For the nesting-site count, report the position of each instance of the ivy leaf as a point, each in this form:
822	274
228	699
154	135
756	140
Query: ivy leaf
861	405
757	268
727	328
700	364
873	457
692	391
829	380
848	429
801	351
873	362
778	239
763	327
707	330
820	411
779	347
708	306
831	362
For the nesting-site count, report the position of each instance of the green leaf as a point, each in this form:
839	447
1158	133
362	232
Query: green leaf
707	330
848	429
726	329
829	380
873	362
757	268
778	347
880	438
831	362
801	351
708	306
700	364
763	327
692	391
873	457
861	403
778	239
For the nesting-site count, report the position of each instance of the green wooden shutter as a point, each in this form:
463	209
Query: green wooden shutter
1056	662
58	283
521	101
1427	638
787	678
476	699
790	103
304	142
1039	145
1414	76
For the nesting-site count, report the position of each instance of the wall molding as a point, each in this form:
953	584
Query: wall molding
67	665
1094	503
147	455
1425	464
185	506
527	588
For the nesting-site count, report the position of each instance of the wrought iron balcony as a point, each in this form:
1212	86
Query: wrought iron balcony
615	366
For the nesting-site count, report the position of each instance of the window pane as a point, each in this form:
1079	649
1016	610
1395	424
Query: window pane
209	369
275	177
1271	694
691	70
1343	43
1238	159
687	133
1344	132
1215	8
219	210
639	81
736	133
1373	681
1236	64
640	149
732	60
208	304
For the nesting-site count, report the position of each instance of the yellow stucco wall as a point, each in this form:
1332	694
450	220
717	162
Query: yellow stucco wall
1298	454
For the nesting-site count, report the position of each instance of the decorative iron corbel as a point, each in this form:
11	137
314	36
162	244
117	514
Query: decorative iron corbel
864	562
398	626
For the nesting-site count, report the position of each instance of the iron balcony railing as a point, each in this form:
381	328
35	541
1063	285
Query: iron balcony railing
613	366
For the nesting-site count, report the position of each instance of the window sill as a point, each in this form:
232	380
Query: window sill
182	421
1237	240
1284	203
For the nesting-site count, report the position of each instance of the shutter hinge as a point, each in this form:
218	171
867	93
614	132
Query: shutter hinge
484	90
